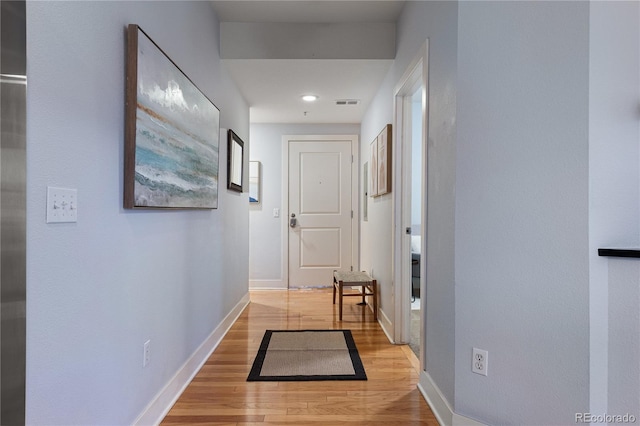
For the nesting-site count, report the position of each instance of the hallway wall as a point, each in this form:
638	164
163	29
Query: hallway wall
522	209
99	288
614	205
436	21
533	161
266	245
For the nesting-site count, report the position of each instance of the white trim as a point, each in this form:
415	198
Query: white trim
267	285
385	324
164	400
415	76
355	194
439	405
355	202
459	420
284	212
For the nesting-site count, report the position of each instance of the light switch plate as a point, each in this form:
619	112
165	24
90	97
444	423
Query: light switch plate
62	205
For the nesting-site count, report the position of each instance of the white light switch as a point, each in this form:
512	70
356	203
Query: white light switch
276	212
62	205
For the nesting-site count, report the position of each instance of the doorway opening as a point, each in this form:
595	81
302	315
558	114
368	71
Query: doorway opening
416	219
410	205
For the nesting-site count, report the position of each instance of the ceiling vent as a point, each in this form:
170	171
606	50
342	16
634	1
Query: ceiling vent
347	102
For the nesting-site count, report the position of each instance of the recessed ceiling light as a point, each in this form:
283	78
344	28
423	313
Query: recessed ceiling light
309	98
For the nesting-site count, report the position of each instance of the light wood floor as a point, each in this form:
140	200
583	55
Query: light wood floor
220	394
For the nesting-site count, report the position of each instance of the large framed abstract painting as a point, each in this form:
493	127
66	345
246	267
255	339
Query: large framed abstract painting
172	131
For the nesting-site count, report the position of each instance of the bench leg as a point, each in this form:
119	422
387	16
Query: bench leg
334	291
340	301
375	299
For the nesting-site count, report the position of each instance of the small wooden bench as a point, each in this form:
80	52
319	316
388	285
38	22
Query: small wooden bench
369	287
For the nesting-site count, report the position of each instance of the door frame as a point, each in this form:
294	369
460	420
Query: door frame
415	76
355	186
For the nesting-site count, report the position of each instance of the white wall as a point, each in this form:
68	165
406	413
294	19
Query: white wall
438	22
614	204
522	204
265	246
623	374
375	234
99	288
310	40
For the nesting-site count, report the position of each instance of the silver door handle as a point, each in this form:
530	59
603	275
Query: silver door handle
293	221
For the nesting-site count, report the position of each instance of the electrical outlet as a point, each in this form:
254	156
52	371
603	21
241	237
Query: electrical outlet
479	361
147	353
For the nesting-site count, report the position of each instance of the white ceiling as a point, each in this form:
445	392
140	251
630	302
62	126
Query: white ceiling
273	87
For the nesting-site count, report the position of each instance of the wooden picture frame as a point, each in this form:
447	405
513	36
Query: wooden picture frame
172	133
384	158
235	162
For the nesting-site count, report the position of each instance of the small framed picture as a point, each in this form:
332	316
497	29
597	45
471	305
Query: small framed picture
235	160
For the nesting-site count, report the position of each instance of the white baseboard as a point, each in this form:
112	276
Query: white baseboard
164	400
439	405
385	324
459	420
267	285
435	399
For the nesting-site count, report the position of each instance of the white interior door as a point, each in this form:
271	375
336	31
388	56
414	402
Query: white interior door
320	210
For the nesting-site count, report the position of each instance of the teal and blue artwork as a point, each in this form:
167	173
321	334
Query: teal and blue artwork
176	139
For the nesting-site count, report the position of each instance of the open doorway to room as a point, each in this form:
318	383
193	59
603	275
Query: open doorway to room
416	219
410	205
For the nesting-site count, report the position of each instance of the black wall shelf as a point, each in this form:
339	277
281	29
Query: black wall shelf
620	252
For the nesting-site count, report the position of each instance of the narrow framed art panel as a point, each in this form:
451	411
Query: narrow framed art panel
254	181
373	168
235	162
172	140
384	161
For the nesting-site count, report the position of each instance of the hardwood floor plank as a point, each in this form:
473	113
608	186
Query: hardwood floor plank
405	419
210	419
220	395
